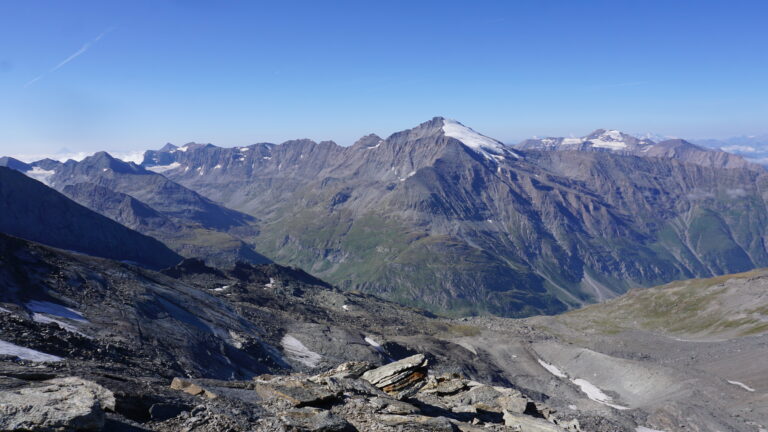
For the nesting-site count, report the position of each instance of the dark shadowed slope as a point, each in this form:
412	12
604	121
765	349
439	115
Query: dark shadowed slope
151	204
36	212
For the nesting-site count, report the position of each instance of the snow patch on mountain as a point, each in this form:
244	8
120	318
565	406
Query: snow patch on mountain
554	370
372	342
610	139
375	146
589	389
742	385
487	147
569	141
7	348
40	174
163	168
296	350
55	310
596	394
45	319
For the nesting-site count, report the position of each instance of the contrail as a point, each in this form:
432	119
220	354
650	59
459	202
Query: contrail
77	53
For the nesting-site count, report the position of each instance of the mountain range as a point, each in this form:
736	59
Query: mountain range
442	217
103	327
445	218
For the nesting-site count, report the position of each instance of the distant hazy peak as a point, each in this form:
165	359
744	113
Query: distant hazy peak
602	139
105	161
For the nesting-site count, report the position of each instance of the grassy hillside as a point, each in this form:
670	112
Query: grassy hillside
724	306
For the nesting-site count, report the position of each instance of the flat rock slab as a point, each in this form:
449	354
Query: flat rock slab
524	423
351	369
402	378
192	388
415	422
450	387
59	404
387	374
352	387
297	393
314	420
392	406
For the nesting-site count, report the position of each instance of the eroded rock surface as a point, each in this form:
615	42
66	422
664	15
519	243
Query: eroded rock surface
56	405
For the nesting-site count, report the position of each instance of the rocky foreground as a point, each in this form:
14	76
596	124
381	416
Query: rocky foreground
355	396
259	348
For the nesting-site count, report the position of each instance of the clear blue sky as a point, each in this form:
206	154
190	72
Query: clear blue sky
125	75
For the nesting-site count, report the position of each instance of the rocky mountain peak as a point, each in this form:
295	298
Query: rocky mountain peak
104	161
14	163
368	141
47	164
439	128
428	129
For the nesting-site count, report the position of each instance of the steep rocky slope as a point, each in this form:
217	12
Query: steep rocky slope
31	210
442	217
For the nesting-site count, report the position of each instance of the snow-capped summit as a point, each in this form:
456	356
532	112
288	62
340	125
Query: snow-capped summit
486	146
601	139
615	140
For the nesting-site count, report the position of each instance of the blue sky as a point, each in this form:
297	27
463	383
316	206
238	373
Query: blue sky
133	75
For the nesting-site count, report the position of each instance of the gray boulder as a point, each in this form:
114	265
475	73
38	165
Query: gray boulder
71	404
524	423
311	419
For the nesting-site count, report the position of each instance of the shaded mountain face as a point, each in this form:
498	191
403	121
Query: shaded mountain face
617	142
191	319
445	218
195	321
15	164
147	202
36	212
